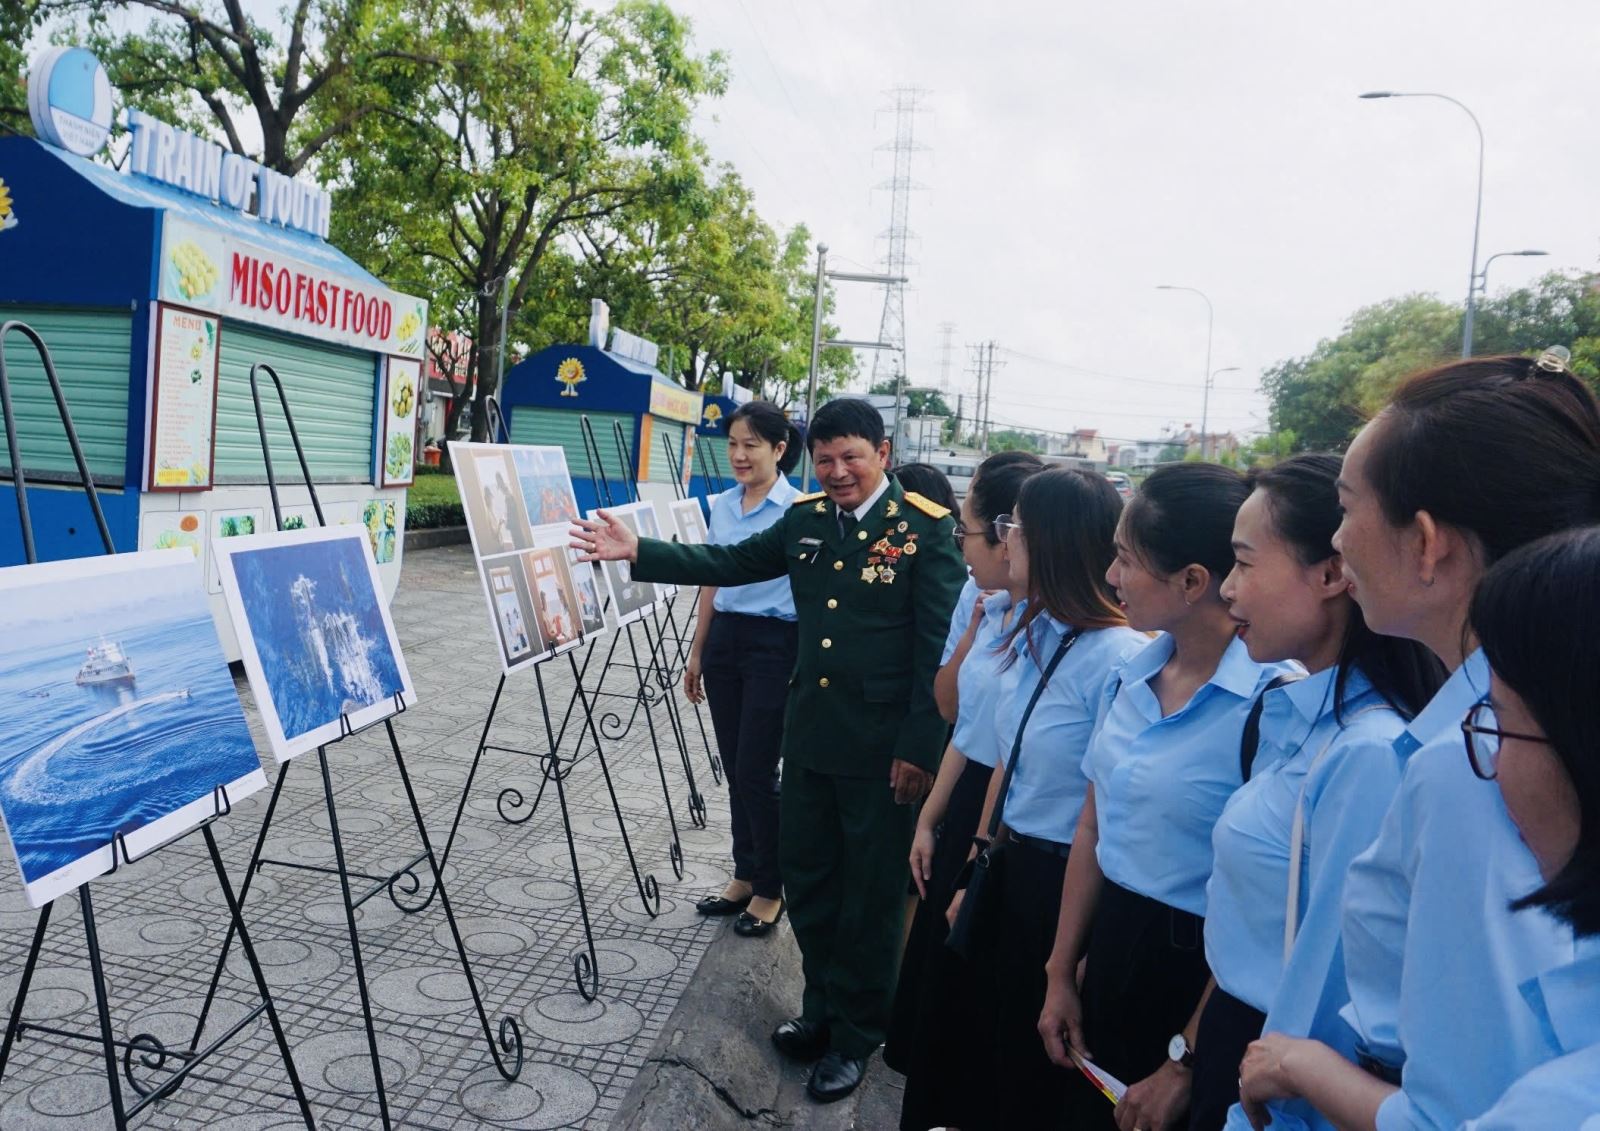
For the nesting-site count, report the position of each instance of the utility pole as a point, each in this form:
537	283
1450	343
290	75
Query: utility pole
946	331
906	104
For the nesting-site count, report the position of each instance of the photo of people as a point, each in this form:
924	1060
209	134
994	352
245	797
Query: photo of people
649	527
591	614
491	497
554	600
629	598
547	496
690	521
519	635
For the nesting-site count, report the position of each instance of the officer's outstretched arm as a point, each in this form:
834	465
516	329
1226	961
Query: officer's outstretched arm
760	557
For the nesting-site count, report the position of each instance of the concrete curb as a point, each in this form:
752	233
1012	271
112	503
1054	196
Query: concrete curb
439	536
713	1066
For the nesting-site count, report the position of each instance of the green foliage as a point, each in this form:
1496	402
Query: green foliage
919	402
18	20
1012	439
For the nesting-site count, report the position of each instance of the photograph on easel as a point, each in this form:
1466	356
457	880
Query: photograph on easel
650	527
512	603
586	583
315	633
547	495
690	522
555	601
491	495
117	713
630	599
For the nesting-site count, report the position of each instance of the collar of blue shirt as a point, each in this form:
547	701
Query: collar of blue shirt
1564	998
1237	673
1466	686
1312	696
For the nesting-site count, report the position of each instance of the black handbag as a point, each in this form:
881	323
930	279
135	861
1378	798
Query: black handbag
973	932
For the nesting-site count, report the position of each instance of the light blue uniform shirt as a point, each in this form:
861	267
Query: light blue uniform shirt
1159	783
965	600
729	526
978	684
1434	960
1246	897
1048	786
1347	791
1564	1093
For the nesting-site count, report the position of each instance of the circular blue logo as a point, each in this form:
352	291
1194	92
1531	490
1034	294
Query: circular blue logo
69	100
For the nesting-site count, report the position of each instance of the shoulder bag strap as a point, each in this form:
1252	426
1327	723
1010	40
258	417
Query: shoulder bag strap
1062	649
1251	738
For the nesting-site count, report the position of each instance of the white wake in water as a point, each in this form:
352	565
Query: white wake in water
31	780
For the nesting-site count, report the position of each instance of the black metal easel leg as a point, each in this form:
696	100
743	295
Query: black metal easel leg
510	1039
586	963
697	803
649	890
236	923
244	893
675	849
355	938
683	637
13	1026
102	1008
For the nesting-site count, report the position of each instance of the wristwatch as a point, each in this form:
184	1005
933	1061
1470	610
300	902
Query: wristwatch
1179	1052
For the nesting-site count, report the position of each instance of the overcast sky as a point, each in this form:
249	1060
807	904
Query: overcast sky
1080	154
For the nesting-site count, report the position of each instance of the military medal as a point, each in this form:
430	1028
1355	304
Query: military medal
903	527
886	574
909	548
869	574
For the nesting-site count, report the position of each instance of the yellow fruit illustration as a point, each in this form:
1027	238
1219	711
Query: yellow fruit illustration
409	325
196	350
570	373
404	398
196	273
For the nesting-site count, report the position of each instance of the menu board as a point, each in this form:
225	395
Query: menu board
183	401
396	455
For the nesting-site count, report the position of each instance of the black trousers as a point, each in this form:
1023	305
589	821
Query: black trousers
938	1032
1144	972
746	667
1227	1027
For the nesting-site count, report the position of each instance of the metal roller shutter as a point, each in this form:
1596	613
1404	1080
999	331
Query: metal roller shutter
331	391
668	433
557	428
91	350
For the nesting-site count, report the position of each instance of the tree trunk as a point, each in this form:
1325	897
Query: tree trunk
487	347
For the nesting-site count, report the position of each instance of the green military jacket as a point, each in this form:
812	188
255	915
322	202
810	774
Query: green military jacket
873	609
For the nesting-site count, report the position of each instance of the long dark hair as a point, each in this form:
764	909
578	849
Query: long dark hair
996	484
1499	446
1071	522
1183	515
1534	613
1303	499
767	421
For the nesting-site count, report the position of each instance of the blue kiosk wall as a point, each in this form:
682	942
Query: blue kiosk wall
545	397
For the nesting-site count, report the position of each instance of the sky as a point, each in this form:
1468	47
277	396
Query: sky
1081	154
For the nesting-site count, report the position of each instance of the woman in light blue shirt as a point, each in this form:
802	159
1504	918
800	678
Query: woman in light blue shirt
1323	773
1535	614
937	997
744	653
1468	462
1059	543
1162	762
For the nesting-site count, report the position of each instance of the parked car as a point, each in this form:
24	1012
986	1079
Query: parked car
1120	480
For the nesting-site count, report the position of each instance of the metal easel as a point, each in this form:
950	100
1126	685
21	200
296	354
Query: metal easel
509	1037
141	1050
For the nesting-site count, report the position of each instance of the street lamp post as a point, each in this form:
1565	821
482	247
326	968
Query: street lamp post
1205	404
1209	384
1483	275
1477	217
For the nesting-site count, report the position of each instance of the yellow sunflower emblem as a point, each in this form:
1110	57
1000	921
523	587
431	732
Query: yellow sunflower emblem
570	373
7	218
713	414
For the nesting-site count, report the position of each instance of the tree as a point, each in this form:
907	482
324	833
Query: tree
536	122
1013	439
18	22
919	401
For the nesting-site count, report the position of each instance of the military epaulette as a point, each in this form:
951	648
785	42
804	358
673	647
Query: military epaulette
811	498
927	506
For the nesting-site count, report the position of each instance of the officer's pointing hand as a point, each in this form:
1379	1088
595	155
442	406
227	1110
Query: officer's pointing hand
603	539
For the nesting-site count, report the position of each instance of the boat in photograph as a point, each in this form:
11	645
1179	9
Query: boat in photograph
107	663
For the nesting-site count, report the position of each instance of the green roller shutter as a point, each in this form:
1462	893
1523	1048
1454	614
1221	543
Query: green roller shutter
667	433
553	428
92	352
332	393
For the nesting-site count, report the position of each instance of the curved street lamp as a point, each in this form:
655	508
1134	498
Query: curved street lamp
1477	218
1483	274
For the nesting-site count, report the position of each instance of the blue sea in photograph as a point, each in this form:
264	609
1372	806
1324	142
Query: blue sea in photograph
116	708
318	629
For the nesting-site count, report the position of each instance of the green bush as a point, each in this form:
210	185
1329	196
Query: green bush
434	515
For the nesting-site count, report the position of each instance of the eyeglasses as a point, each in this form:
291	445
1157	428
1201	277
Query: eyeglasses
1004	528
1483	740
961	533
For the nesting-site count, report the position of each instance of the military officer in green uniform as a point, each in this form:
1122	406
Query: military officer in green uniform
875	573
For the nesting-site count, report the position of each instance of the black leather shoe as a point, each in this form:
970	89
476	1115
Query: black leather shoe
748	926
799	1039
835	1077
717	905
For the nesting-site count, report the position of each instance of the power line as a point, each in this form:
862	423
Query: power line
1122	376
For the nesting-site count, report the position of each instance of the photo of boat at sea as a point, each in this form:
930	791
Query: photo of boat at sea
314	631
117	713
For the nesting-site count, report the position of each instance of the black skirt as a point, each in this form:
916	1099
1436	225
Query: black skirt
1144	972
1227	1027
938	1030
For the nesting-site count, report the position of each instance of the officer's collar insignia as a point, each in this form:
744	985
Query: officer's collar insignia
821	507
891	508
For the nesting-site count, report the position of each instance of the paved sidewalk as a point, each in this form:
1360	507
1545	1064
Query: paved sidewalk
161	922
